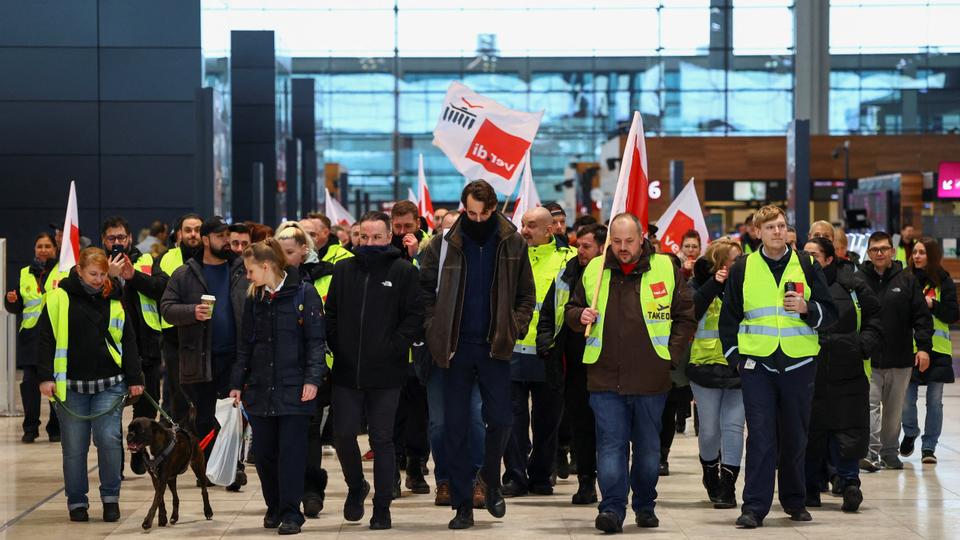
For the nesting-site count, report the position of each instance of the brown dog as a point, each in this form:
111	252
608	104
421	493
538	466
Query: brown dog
172	451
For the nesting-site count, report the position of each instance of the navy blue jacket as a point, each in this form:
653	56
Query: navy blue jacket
280	349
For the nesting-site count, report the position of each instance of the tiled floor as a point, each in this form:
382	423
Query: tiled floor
922	501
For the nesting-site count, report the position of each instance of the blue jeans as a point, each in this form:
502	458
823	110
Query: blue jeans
623	421
477	430
75	441
933	424
721	415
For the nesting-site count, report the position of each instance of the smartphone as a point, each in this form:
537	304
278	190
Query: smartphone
116	250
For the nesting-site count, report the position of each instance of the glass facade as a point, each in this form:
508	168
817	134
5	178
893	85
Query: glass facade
691	67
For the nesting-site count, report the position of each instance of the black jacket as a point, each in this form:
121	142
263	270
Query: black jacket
281	348
842	391
374	313
904	316
947	311
180	298
87	356
568	345
27	338
820	309
148	339
705	290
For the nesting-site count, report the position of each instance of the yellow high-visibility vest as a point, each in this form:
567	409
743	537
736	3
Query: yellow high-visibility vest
31	295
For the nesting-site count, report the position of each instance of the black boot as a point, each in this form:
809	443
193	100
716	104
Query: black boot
711	478
314	498
463	519
415	481
563	463
727	487
381	516
852	496
587	491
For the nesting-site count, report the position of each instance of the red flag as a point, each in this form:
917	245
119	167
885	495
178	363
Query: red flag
70	248
632	193
684	213
424	204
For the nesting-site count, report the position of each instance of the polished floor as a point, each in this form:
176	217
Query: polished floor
921	501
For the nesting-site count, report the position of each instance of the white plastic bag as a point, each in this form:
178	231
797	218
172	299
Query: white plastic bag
222	466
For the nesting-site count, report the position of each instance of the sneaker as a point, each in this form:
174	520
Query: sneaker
928	457
869	465
892	463
748	520
852	497
608	522
907	446
381	519
289	527
647	519
799	514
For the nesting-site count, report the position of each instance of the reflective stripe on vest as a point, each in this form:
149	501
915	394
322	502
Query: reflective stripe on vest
941	330
656	297
706	348
58	309
766	324
31	295
545	261
148	307
561	295
335	253
171	260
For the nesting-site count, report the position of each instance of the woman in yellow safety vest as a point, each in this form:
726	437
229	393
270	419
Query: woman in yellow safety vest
26	299
941	296
87	361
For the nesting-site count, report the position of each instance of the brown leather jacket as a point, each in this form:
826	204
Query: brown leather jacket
628	365
512	296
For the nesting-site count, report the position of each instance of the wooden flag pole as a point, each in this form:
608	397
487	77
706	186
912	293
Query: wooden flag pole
596	292
506	201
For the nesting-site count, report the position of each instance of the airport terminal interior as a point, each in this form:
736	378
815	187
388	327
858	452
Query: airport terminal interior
844	113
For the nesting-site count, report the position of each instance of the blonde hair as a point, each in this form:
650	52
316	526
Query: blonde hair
840	238
292	229
266	251
767	213
96	257
718	252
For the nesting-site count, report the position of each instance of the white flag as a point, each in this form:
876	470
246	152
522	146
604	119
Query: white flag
70	245
683	214
633	183
411	196
335	211
527	198
483	139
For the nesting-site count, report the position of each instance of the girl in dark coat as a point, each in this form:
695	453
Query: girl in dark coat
941	296
278	369
840	418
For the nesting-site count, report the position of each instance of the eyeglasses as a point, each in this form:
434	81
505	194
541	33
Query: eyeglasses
116	238
879	250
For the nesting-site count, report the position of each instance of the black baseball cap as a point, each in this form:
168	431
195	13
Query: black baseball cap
555	209
213	225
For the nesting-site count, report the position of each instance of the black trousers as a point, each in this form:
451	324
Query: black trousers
577	408
174	398
204	397
381	408
532	463
410	438
281	455
472	364
32	402
315	480
152	375
676	400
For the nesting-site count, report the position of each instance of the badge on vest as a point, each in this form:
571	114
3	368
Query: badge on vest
659	289
750	364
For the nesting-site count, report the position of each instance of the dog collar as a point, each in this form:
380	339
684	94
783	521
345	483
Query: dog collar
153	464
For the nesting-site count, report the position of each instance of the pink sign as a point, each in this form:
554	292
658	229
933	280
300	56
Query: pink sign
948	180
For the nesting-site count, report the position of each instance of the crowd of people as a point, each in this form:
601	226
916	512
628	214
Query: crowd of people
510	356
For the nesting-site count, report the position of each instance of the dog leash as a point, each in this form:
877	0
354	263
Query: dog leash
116	404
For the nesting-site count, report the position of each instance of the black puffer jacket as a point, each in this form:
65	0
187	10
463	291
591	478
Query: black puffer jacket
374	313
705	290
842	391
87	356
904	316
947	311
280	349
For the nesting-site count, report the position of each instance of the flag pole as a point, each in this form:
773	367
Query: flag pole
631	142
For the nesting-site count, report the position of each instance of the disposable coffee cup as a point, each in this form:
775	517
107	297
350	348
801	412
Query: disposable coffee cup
209	300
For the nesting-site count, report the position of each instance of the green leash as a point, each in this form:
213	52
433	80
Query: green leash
116	405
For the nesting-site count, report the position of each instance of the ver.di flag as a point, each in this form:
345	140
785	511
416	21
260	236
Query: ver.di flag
528	197
632	194
684	213
335	211
484	139
70	246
